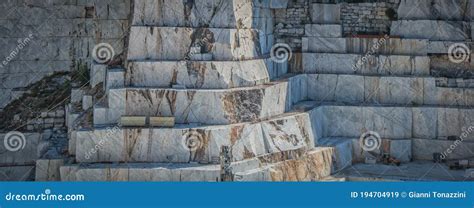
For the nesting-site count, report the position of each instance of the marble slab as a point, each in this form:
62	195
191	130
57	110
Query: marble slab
210	13
431	29
202	75
247	140
175	43
366	65
434	9
201	106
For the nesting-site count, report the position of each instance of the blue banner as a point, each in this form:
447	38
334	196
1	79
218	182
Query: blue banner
328	194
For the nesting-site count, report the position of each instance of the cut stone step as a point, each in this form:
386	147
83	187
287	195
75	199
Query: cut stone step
175	43
211	13
196	106
443	66
385	90
413	171
435	10
97	74
48	170
463	148
401	149
343	151
367	65
323	30
382	45
203	74
115	78
442	47
185	143
454	82
72	135
423	122
313	165
431	29
140	172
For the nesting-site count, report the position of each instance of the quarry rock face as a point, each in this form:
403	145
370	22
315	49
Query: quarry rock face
291	88
203	64
206	65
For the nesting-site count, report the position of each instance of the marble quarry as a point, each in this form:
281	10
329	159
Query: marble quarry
210	72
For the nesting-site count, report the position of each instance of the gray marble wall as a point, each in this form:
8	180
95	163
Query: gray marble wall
43	37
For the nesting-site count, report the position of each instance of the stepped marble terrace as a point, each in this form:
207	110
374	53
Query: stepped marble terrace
238	90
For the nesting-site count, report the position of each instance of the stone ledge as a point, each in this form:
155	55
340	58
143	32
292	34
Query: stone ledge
413	171
435	10
221	44
313	165
211	13
391	46
222	106
385	90
247	140
140	172
402	122
203	74
432	29
366	65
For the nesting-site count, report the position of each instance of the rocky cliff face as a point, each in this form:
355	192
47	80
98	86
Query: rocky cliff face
45	37
154	90
47	51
